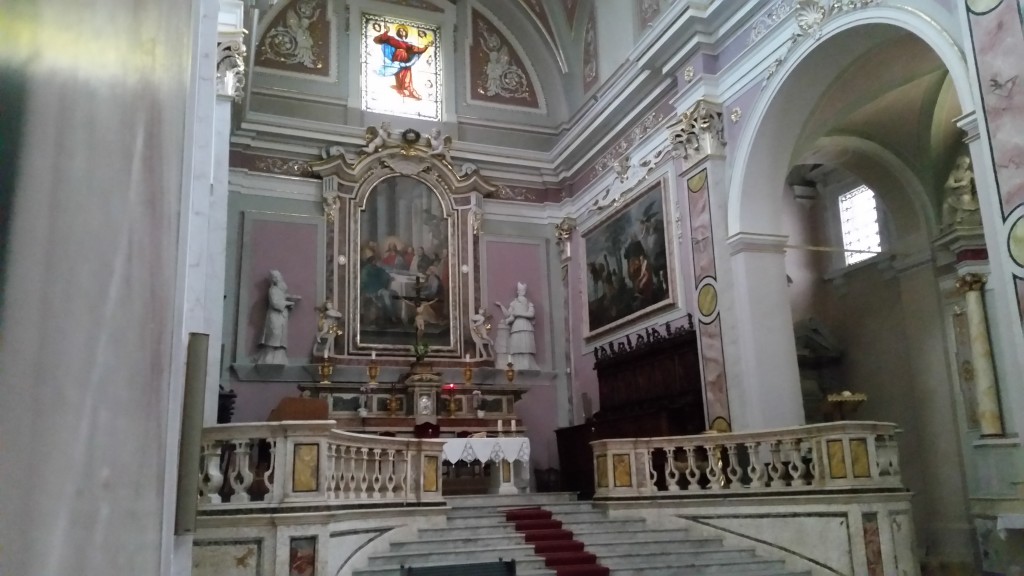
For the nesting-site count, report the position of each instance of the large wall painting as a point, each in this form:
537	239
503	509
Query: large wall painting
629	267
404	265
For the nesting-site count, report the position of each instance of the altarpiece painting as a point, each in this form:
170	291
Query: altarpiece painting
404	264
630	268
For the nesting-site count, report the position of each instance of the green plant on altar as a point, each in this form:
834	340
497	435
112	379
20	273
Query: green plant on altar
420	350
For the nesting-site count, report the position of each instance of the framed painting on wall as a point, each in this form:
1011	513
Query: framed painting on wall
405	272
630	267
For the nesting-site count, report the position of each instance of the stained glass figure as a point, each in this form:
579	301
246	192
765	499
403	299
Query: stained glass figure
401	68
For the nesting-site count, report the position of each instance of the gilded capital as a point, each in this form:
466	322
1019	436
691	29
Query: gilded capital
563	230
970	282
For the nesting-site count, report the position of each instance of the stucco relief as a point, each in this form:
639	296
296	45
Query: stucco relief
498	73
590	77
776	13
298	39
648	11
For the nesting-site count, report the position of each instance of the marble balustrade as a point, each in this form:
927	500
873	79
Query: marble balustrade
310	463
827	458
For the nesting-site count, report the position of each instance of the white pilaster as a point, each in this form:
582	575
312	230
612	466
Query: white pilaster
769	394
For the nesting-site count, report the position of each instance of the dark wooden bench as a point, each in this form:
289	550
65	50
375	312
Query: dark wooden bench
499	568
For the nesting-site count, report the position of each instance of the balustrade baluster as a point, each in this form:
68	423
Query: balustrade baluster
241	474
775	468
692	473
796	463
364	479
390	482
716	479
652	474
755	469
377	471
332	471
212	480
734	471
268	475
672	473
404	479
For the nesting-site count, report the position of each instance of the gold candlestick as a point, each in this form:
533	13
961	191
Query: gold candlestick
510	372
326	369
392	401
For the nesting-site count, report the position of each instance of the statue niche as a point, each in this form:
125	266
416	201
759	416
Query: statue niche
404	275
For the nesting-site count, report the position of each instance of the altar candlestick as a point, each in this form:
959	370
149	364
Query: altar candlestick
499	427
513	426
373	355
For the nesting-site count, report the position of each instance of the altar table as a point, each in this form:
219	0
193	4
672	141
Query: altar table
511	455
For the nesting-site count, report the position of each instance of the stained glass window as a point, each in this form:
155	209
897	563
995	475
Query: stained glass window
858	213
401	67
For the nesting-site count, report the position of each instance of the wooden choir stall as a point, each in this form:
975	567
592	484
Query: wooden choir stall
649	385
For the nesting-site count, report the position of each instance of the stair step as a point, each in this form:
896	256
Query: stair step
631	558
468	555
493	501
674	571
523	566
556	508
649	535
695	564
497	517
474	541
701	545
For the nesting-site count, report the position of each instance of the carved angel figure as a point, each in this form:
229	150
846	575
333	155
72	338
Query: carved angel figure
374	139
440	146
479	327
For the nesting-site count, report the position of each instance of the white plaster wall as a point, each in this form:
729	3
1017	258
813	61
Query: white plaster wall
90	298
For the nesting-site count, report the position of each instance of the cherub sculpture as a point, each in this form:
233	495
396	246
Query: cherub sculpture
375	138
479	328
327	330
440	146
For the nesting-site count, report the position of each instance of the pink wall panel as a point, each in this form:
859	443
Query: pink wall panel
289	247
508	263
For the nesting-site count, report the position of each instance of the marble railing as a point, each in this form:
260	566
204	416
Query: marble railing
820	458
306	463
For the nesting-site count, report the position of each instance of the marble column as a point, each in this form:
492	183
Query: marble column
987	393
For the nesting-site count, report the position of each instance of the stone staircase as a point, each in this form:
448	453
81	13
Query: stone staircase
476	531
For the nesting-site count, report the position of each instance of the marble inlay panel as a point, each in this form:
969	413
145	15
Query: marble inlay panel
872	544
227	558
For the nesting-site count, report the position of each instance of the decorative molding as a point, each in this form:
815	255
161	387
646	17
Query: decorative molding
735	115
776	13
410	154
231	68
421	4
641	129
644	338
628	175
499	73
811	17
699	131
297	40
688	73
969	124
753	242
521	193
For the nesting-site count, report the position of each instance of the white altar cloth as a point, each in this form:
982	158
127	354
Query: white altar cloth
511	478
487	449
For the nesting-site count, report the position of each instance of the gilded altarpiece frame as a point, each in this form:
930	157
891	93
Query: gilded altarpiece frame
392	207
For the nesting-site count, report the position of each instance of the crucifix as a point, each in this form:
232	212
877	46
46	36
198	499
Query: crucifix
424	314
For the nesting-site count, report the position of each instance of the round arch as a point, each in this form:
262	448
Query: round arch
797	83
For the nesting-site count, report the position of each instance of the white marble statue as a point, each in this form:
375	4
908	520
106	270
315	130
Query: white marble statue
519	315
479	326
440	146
328	330
960	207
274	343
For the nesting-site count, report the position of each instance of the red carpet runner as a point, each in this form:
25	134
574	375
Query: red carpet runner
560	552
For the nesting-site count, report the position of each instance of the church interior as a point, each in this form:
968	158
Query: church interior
497	287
